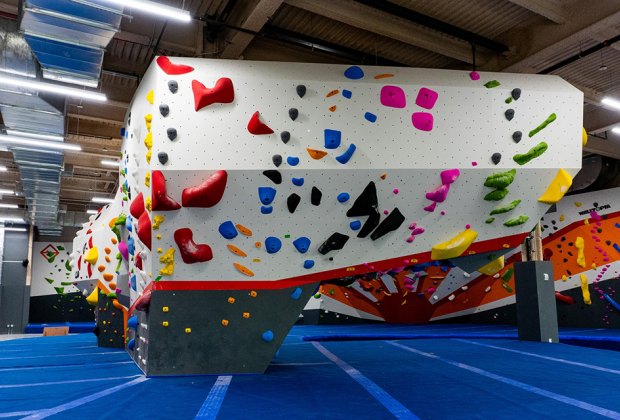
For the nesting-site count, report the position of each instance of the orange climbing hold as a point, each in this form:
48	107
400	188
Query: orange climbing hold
383	175
108	276
236	250
243	230
383	76
112	222
107	259
244	270
101	268
332	93
112	285
332	108
316	154
107	250
257	244
114	241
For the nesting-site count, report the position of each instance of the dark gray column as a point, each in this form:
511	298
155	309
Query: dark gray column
14	292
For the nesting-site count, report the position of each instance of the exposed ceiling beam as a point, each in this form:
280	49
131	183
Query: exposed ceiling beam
601	120
550	9
609	147
106	121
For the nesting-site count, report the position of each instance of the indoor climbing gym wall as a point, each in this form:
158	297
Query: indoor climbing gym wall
248	183
580	237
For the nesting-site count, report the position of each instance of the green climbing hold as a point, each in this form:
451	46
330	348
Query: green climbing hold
505	208
551	118
516	221
66	283
508	288
317	296
68	265
50	281
491	84
508	99
500	180
533	153
489	220
496	195
112	295
60	290
121	220
507	275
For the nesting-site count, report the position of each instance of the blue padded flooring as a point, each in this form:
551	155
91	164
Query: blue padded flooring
444	377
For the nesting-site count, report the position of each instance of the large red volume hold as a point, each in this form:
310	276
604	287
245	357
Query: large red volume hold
191	252
144	229
143	302
207	194
136	208
221	93
256	126
168	67
161	201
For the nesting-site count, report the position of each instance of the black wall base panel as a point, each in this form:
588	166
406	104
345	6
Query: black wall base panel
110	323
68	307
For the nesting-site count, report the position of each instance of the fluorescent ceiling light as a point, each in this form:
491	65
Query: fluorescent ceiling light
23	141
12	229
610	102
615	130
52	88
102	200
154	8
91	211
34	135
8	192
2	168
12	220
8	206
111	162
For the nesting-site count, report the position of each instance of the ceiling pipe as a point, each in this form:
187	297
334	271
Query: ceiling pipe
582	54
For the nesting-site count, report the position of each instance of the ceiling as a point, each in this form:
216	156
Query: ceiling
570	38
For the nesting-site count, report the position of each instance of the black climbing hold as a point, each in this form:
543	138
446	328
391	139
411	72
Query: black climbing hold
292	202
335	242
172	133
315	196
163	157
285	136
274	176
129	119
371	223
301	90
510	114
366	204
173	86
164	110
516	93
496	157
516	136
277	160
293	113
389	224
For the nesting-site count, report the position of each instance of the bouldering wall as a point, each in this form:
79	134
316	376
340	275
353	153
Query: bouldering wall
263	177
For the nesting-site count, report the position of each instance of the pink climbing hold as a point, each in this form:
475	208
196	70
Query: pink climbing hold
393	96
431	207
412	226
467	226
474	75
422	121
474	164
426	98
122	248
443	213
395	191
410	239
449	176
418	231
385	212
440	194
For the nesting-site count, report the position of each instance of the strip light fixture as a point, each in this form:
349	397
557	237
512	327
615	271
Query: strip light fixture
6	192
154	8
3	169
37	136
11	220
611	102
615	130
102	200
14	229
108	162
91	211
8	206
23	141
52	88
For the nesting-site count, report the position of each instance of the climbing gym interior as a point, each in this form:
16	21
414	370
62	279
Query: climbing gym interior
269	209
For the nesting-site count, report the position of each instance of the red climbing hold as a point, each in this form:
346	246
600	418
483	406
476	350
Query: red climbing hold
207	194
143	302
138	261
136	207
256	126
144	229
168	67
191	252
161	201
221	93
89	268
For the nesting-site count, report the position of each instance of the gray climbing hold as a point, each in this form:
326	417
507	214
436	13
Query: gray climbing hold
163	157
172	133
293	113
164	110
301	90
516	136
509	114
277	160
516	93
285	136
173	86
496	157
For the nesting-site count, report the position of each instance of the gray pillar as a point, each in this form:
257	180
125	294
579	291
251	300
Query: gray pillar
537	317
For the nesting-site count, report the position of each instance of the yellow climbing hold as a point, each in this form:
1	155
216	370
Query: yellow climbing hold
454	247
148	156
148	118
562	217
93	298
564	277
148	140
158	236
584	137
581	258
165	323
584	290
150	96
165	309
147	179
92	256
158	220
225	322
148	203
493	267
578	203
246	315
168	259
231	300
558	187
188	330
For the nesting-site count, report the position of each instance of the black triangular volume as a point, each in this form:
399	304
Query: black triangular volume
315	196
371	223
366	204
335	242
394	220
274	176
292	202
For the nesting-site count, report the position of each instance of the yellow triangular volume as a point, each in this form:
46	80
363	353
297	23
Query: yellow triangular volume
93	298
493	267
454	247
558	187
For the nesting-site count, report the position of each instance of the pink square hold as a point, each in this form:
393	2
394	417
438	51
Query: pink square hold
422	121
393	96
426	98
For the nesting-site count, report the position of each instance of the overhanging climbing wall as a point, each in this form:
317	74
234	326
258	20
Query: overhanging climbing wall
264	176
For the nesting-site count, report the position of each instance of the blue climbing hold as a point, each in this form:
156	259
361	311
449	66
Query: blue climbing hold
302	244
132	322
347	93
128	223
355	225
133	282
228	230
131	344
354	72
298	181
296	293
370	117
332	138
343	197
292	160
308	264
346	156
266	209
272	245
266	195
131	246
617	247
122	131
267	336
